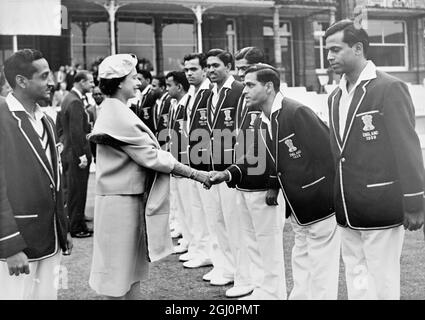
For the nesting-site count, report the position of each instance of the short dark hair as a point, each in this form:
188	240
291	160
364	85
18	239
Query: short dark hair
352	33
251	54
145	73
266	73
224	56
81	75
161	80
20	63
202	57
110	86
179	77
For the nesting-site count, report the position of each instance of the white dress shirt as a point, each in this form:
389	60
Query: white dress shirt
368	73
277	105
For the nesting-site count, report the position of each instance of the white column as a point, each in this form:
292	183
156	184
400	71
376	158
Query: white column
199	10
112	7
332	17
15	43
277	45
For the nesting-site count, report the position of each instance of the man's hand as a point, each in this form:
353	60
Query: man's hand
69	245
271	197
413	221
203	177
18	264
83	162
217	177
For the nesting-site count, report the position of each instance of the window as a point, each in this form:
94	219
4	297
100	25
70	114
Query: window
138	38
96	42
388	44
178	39
231	36
320	52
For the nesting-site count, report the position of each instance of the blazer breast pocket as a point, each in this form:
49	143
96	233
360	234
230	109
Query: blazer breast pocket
369	125
289	146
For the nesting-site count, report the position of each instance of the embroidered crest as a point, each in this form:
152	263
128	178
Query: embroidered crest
145	113
203	114
290	145
367	121
253	117
227	115
180	122
165	119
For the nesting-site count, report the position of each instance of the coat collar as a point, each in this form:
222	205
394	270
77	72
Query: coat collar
21	116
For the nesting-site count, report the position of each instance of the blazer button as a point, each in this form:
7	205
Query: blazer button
343	160
279	174
51	186
212	138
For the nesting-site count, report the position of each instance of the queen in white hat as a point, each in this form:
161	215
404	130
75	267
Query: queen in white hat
132	187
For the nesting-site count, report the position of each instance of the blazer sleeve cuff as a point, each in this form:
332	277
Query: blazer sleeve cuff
273	183
413	202
235	176
11	245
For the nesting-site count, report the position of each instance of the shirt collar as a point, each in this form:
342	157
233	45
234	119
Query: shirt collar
205	85
183	100
15	105
277	105
145	90
79	94
227	84
368	73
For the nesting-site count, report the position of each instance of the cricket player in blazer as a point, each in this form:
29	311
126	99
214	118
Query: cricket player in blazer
298	150
379	183
204	246
221	121
33	225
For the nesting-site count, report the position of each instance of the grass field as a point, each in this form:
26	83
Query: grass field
168	279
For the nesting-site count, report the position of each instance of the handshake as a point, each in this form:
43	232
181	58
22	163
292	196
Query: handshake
211	178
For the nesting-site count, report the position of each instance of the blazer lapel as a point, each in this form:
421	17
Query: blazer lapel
275	117
53	150
359	95
33	140
222	98
267	139
195	107
334	117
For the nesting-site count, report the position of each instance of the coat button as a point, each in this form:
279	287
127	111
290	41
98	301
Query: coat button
51	186
343	160
279	174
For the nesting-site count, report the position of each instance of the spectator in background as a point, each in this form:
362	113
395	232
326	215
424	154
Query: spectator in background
60	75
93	112
76	154
69	77
59	94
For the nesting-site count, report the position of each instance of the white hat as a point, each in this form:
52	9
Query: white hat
117	66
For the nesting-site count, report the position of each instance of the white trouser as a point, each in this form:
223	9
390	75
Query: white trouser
262	235
220	252
184	209
372	262
201	238
315	260
45	277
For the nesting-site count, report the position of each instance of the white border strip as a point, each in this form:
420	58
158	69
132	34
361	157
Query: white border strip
313	183
11	236
413	194
369	112
26	216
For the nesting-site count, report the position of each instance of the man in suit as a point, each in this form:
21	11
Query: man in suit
231	263
379	185
76	153
161	108
34	227
203	244
298	149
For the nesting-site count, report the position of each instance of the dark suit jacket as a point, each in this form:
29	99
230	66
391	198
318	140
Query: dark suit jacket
300	154
76	126
199	144
162	121
379	160
222	126
31	205
250	152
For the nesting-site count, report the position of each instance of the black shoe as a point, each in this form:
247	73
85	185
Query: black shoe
82	234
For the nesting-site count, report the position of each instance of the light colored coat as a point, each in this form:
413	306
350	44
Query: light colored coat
138	166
